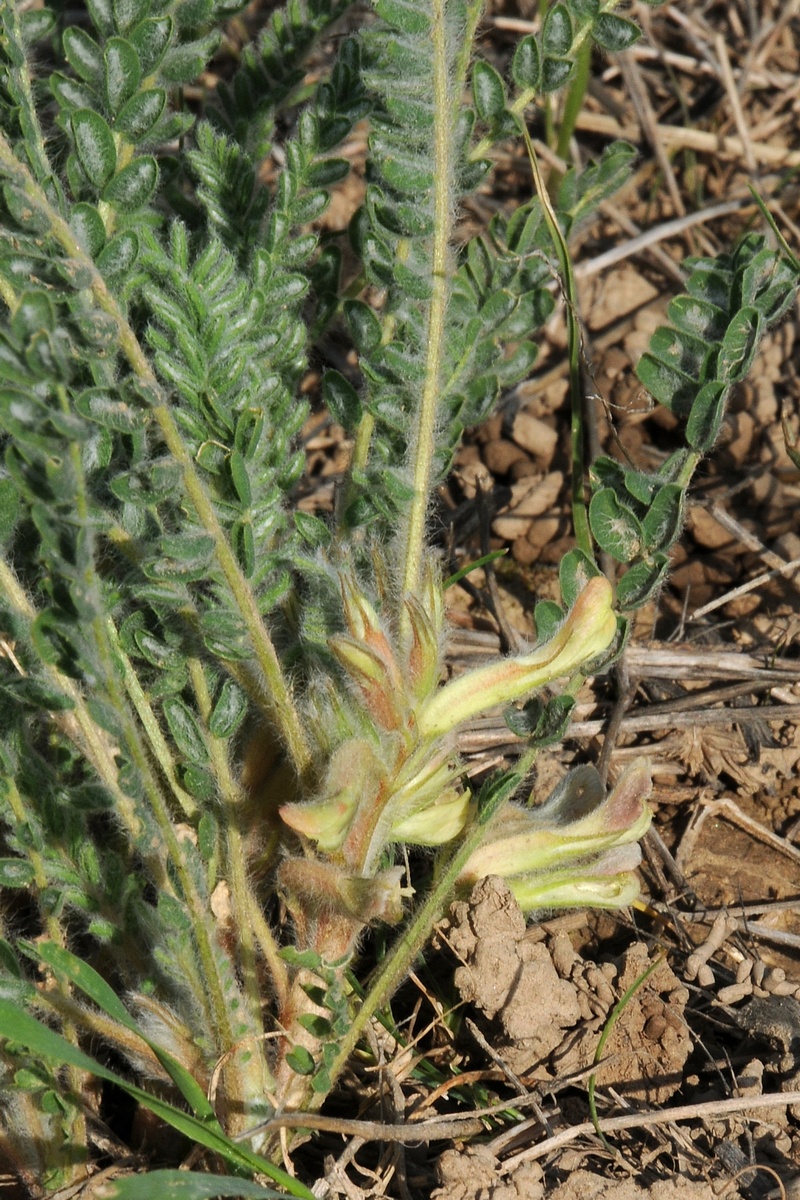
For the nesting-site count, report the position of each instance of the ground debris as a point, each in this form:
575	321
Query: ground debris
545	1005
474	1174
585	1185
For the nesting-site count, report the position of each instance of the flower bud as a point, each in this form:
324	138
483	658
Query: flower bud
541	849
426	619
440	822
376	679
587	631
597	886
353	779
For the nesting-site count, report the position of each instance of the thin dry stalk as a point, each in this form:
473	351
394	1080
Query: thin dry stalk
713	1109
729	83
787	568
632	74
679	138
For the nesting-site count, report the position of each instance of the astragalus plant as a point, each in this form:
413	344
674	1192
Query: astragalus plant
222	717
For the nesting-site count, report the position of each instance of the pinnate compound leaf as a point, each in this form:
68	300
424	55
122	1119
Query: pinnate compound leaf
614	33
94	145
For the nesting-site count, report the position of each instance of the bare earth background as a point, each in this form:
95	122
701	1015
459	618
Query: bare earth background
698	1090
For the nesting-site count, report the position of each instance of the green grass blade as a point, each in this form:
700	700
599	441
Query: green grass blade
183	1185
87	980
472	566
614	1016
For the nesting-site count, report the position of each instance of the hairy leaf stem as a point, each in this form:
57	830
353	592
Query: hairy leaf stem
149	722
424	428
232	799
80	728
20	80
51	923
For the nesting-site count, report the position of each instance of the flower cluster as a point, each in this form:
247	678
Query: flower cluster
397	777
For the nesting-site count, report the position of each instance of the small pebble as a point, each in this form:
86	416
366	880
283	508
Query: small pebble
655	1028
722	928
693	964
744	970
705	976
736	991
563	954
772	978
787	987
